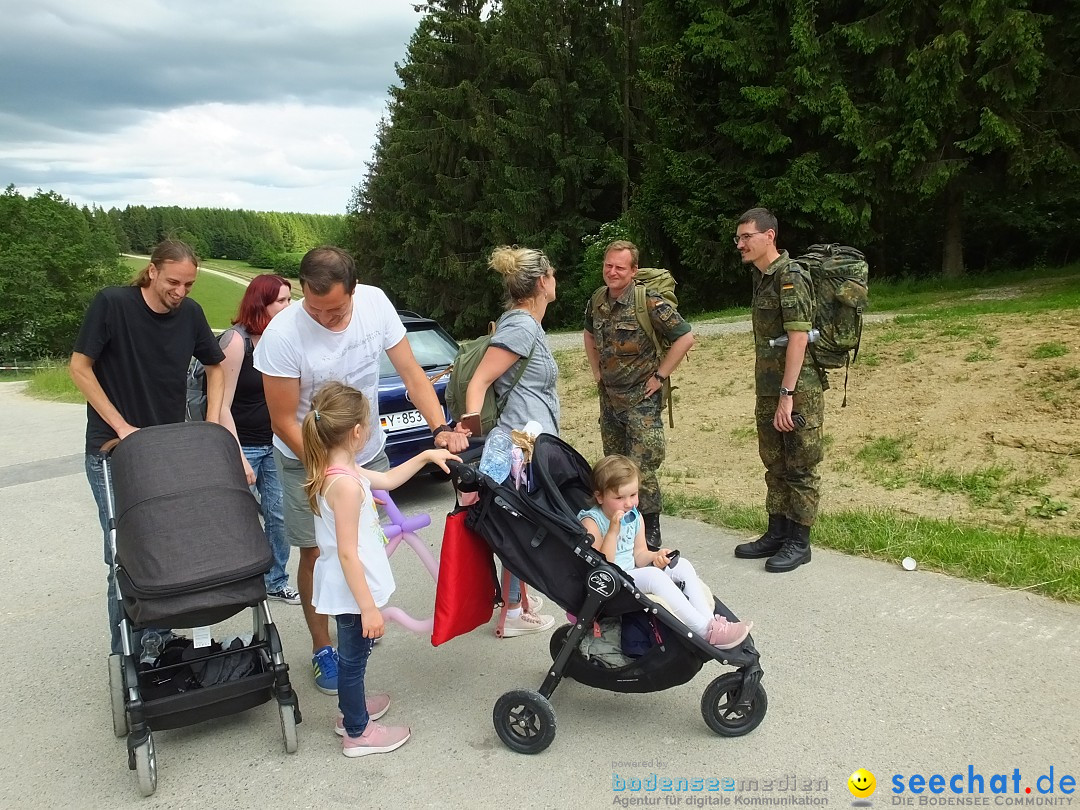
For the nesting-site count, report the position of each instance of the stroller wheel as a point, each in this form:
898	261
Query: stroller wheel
524	721
117	694
726	717
146	766
288	726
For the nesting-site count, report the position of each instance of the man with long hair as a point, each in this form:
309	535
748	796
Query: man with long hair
130	362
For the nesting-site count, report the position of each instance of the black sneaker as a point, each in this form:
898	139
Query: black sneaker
286	595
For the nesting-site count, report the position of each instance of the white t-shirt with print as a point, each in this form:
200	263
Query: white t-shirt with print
294	345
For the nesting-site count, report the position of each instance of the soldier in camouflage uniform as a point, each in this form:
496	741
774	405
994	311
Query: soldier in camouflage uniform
630	374
790	405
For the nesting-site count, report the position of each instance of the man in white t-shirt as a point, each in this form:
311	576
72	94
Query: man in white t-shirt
338	332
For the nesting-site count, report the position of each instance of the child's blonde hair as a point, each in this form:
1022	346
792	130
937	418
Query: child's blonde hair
336	409
613	472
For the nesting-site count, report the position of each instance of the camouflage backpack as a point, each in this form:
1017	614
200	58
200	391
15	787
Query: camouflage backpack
655	281
840	276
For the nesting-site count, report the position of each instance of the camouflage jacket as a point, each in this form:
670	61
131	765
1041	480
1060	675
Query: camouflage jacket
628	356
783	302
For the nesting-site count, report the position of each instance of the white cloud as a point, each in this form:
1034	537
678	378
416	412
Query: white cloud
299	157
267	104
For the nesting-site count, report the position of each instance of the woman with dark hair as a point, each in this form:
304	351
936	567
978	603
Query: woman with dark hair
244	413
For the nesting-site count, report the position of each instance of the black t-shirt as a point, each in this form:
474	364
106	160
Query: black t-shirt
141	358
249	411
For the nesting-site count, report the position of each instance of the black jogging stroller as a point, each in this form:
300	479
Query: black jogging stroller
188	552
535	532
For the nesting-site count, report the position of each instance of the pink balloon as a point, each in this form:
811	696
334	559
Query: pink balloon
419	626
404	528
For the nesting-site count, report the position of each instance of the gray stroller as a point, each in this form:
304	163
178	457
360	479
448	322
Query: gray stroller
188	552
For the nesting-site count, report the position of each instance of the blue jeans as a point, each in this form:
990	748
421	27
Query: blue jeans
95	474
271	501
513	591
353	651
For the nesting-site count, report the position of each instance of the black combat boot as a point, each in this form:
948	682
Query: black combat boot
652	530
768	544
796	550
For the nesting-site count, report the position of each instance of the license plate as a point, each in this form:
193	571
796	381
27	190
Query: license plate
403	420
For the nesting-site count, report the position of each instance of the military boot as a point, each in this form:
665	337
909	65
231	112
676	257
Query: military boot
795	552
652	530
768	544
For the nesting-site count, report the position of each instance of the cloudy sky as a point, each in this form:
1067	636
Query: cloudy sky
258	104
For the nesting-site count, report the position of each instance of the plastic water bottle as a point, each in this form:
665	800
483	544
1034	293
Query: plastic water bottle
496	460
811	336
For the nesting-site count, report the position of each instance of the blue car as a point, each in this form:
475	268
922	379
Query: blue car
407	434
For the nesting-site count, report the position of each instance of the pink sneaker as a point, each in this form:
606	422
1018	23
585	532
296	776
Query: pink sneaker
526	623
376	739
377	706
724	635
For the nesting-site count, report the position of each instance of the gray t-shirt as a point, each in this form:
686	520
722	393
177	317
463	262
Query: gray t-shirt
535	396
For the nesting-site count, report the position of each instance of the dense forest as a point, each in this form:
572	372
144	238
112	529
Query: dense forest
259	237
940	137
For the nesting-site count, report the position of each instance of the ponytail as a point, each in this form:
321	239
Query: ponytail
336	409
315	455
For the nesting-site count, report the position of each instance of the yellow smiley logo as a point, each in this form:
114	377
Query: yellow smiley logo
861	783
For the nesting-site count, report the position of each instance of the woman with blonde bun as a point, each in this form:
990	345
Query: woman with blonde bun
519	339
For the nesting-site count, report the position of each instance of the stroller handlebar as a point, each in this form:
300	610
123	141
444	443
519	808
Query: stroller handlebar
465	476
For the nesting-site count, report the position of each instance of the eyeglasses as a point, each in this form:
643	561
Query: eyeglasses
744	237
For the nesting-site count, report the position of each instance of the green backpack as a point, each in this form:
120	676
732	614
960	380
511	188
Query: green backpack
840	276
655	281
461	371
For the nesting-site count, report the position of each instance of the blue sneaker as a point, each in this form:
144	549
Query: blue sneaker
324	662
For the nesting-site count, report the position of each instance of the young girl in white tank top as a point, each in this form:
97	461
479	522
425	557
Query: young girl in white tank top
352	578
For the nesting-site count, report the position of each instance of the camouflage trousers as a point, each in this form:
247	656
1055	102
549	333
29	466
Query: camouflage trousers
638	434
791	459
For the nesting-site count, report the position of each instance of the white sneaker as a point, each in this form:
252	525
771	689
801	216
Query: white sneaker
526	623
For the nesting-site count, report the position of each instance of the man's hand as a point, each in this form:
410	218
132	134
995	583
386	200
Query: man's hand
782	420
652	385
456	440
125	431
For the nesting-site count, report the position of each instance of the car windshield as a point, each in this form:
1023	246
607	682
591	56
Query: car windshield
431	348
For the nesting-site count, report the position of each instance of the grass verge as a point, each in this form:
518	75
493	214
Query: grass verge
1018	559
1029	290
53	383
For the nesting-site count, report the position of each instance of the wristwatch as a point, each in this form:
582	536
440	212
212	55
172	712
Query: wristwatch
659	376
786	392
436	431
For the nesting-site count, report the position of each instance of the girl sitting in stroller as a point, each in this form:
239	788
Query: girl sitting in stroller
619	534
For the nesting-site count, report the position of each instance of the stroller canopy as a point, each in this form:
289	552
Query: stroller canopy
185	518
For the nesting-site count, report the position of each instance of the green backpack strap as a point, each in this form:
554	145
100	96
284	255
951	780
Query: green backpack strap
641	311
500	402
